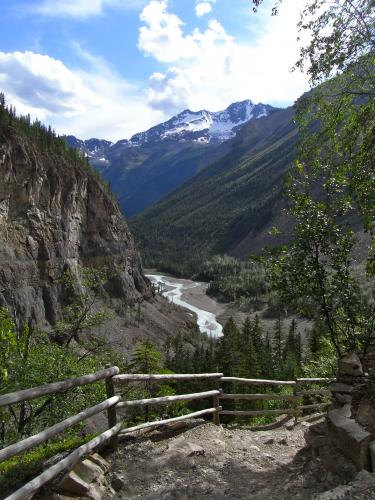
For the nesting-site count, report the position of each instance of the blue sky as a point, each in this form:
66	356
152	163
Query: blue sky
111	68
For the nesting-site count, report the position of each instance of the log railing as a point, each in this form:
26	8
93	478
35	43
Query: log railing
296	409
68	462
140	377
113	402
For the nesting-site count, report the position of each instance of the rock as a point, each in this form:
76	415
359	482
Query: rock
86	479
100	461
290	424
365	413
350	438
73	484
340	387
181	447
320	429
88	471
117	482
372	455
340	492
365	475
269	441
58	218
342	398
362	487
317	443
350	365
283	441
195	449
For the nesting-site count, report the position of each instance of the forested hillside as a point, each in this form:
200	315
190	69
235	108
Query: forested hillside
227	208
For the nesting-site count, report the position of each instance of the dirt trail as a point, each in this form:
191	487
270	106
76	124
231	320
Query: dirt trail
220	463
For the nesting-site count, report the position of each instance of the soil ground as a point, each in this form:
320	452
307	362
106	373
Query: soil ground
211	462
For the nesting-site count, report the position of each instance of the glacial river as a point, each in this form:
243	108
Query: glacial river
192	296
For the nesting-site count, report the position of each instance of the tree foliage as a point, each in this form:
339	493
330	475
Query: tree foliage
28	359
46	140
331	190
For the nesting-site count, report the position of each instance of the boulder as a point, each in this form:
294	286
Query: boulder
351	365
86	479
366	413
351	439
339	387
73	484
100	461
88	471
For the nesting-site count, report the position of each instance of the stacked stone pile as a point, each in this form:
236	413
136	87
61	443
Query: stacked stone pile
350	423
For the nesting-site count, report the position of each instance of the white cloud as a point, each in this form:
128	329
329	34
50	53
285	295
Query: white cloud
168	92
97	102
162	37
44	83
80	8
210	69
203	8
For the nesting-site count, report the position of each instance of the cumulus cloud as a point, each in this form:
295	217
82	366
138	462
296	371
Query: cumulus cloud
168	92
97	102
162	36
203	8
80	8
210	68
43	83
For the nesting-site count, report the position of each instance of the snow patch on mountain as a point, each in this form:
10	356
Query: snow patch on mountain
204	126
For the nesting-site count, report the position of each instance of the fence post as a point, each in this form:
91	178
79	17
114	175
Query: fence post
216	403
296	401
111	412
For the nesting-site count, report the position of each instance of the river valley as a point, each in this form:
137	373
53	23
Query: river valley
192	296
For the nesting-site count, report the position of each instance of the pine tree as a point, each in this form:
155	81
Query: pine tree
228	348
277	345
292	353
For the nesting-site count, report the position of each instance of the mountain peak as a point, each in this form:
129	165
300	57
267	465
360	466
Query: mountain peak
203	125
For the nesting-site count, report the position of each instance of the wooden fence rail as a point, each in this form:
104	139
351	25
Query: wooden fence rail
56	387
140	377
65	464
42	437
113	378
253	381
167	399
158	423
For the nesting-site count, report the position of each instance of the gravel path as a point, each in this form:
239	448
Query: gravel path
220	463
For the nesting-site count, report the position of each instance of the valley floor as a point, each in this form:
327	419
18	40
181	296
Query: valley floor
214	462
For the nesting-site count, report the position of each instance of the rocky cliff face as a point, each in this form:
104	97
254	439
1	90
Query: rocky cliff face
56	217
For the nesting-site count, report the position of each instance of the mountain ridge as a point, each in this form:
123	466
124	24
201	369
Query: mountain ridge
216	126
228	207
146	168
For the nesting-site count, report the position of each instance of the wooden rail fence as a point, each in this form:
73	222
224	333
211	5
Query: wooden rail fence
113	379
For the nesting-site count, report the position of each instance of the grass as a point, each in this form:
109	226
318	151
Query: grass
20	469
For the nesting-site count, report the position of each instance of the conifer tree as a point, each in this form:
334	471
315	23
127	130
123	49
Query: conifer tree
227	352
278	345
292	353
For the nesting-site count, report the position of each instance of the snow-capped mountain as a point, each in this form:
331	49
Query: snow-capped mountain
197	126
94	148
148	166
204	126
